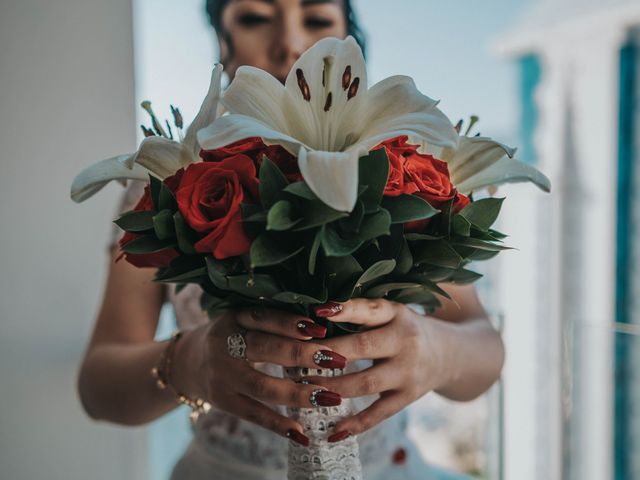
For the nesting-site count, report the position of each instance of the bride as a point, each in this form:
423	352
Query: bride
399	357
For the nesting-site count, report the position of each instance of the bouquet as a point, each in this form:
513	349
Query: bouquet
321	189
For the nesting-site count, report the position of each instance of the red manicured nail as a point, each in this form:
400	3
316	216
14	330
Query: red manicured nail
328	309
325	398
311	329
329	359
338	436
298	437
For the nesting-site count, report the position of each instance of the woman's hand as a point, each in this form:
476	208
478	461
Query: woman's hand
204	368
413	354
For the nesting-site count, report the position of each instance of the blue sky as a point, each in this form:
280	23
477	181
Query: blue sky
444	46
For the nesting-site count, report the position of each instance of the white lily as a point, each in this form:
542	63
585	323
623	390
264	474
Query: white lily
479	162
327	116
157	155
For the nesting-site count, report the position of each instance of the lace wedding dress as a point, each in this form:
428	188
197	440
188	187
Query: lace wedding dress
225	447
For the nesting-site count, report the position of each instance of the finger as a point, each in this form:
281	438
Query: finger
371	312
279	391
372	344
381	377
255	412
388	405
264	347
280	323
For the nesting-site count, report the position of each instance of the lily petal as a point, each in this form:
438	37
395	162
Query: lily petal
332	176
161	156
472	155
505	170
234	127
396	107
208	111
327	79
258	94
93	178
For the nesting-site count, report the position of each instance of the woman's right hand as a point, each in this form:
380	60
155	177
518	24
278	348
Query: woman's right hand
204	368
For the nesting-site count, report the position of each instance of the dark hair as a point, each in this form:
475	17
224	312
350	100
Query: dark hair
216	7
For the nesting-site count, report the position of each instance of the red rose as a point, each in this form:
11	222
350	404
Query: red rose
209	198
255	149
161	258
414	173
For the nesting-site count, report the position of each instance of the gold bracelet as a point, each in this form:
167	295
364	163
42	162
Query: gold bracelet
162	375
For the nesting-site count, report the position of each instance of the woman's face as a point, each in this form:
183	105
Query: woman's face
272	34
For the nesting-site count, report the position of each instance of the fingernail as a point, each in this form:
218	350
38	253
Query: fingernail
298	437
338	436
311	329
328	309
329	359
324	398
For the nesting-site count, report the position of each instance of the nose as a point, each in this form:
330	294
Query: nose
289	42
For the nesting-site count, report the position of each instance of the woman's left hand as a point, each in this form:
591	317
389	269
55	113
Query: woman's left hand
408	359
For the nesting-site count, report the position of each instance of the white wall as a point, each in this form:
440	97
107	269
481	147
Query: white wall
66	99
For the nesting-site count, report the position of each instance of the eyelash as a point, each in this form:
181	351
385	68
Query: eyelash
253	19
318	22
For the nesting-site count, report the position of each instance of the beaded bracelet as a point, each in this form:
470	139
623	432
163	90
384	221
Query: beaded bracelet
162	375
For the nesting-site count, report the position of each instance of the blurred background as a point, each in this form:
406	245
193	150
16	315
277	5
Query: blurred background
560	79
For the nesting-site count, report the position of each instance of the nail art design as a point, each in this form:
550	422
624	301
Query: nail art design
329	359
311	329
298	437
338	436
328	309
324	398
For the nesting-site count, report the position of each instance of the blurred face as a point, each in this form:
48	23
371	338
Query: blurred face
272	34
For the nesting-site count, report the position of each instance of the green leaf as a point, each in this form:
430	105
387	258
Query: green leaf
316	214
377	270
313	254
135	221
185	236
267	250
155	184
380	291
437	252
292	297
463	277
254	286
217	273
482	213
460	225
352	223
281	216
163	225
496	234
341	274
147	244
415	237
272	182
193	276
373	173
420	296
335	245
480	244
375	225
302	190
407	208
404	259
166	199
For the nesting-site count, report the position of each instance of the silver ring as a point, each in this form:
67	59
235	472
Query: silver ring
237	346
